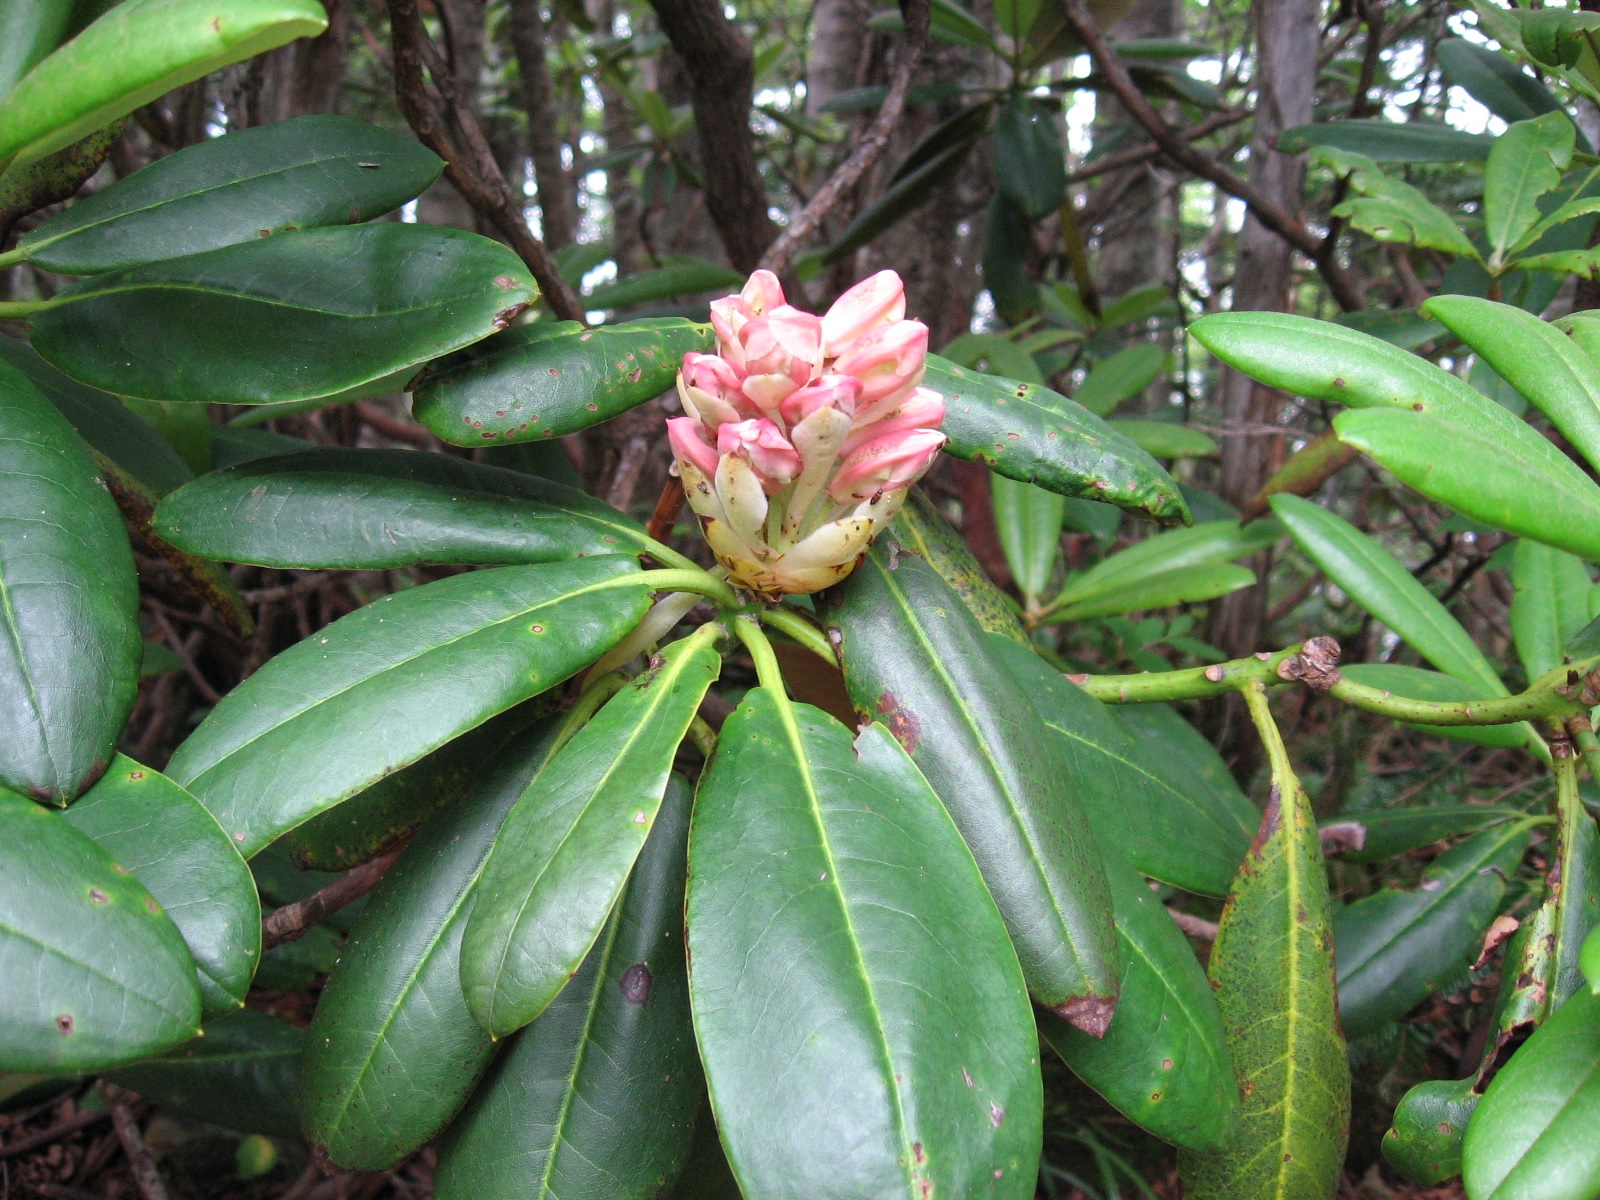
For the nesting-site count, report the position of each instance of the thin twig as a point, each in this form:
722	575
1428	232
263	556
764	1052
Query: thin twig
469	162
56	1132
292	920
1135	155
145	1173
868	151
391	426
1196	927
1271	214
180	647
668	507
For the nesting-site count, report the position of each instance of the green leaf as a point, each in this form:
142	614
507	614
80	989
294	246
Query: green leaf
160	832
1138	306
1272	968
1527	161
920	529
1155	557
839	931
1535	358
597	1098
136	52
1187	585
1494	80
1164	1062
378	689
1396	947
541	381
1589	959
1550	606
1028	520
1390	210
1122	376
1029	165
1165	439
1377	581
1016	17
387	508
685	276
1382	140
29	30
916	660
1136	794
393	1053
362	827
1007	246
1483	477
242	1074
1424	1143
564	854
69	602
95	974
291	317
299	174
1032	434
1391	832
1186	753
1418	683
1532	1134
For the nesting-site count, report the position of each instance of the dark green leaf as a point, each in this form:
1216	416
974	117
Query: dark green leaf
1029	165
393	1052
1035	435
69	633
380	688
387	508
1007	245
1550	607
1424	1143
1494	80
1395	948
95	974
1165	439
311	171
1164	1062
839	932
1162	555
1387	141
290	317
686	276
136	52
1028	520
1533	1133
1166	735
1391	832
915	659
175	847
920	529
596	1099
243	1074
1187	585
1272	967
1124	375
1418	683
564	854
541	381
1138	797
29	30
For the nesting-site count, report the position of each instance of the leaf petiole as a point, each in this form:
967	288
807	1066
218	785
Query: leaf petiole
748	629
790	623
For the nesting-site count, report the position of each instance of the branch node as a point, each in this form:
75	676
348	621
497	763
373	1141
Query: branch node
1316	666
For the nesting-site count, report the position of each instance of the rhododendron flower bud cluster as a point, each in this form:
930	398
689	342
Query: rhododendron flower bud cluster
802	433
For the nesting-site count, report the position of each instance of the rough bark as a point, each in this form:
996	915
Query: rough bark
838	29
528	41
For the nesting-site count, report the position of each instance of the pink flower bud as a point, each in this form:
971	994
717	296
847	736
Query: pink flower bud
923	409
689	444
888	359
895	460
709	388
763	445
880	300
831	391
763	293
788	342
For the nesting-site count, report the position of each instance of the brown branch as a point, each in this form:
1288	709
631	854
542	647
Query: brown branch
544	139
1174	147
1135	155
1198	928
721	88
292	920
146	1175
455	136
868	151
55	1133
668	506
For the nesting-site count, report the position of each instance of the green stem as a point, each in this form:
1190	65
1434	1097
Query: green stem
12	310
790	623
667	556
1582	734
748	630
1503	710
12	257
703	736
585	706
1192	683
687	579
1255	699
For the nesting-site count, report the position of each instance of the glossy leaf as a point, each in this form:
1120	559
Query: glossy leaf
311	171
1377	581
839	931
1165	439
1030	167
1034	435
1272	967
69	633
596	1099
393	1053
29	30
176	849
563	857
1533	1133
920	529
92	973
1188	585
552	378
242	1074
1164	1061
1028	520
915	659
1391	832
291	317
1418	683
1424	1143
1589	959
1122	376
1137	795
1574	884
1385	141
687	276
389	683
1163	555
1526	162
1396	947
136	52
1165	734
387	508
1479	476
1550	606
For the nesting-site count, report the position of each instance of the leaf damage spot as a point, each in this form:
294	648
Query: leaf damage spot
635	984
903	726
98	896
997	1115
503	318
1092	1014
66	1024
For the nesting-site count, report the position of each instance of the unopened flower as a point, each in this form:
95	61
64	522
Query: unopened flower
803	433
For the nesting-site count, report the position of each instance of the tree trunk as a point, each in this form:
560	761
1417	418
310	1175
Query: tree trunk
838	39
544	135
